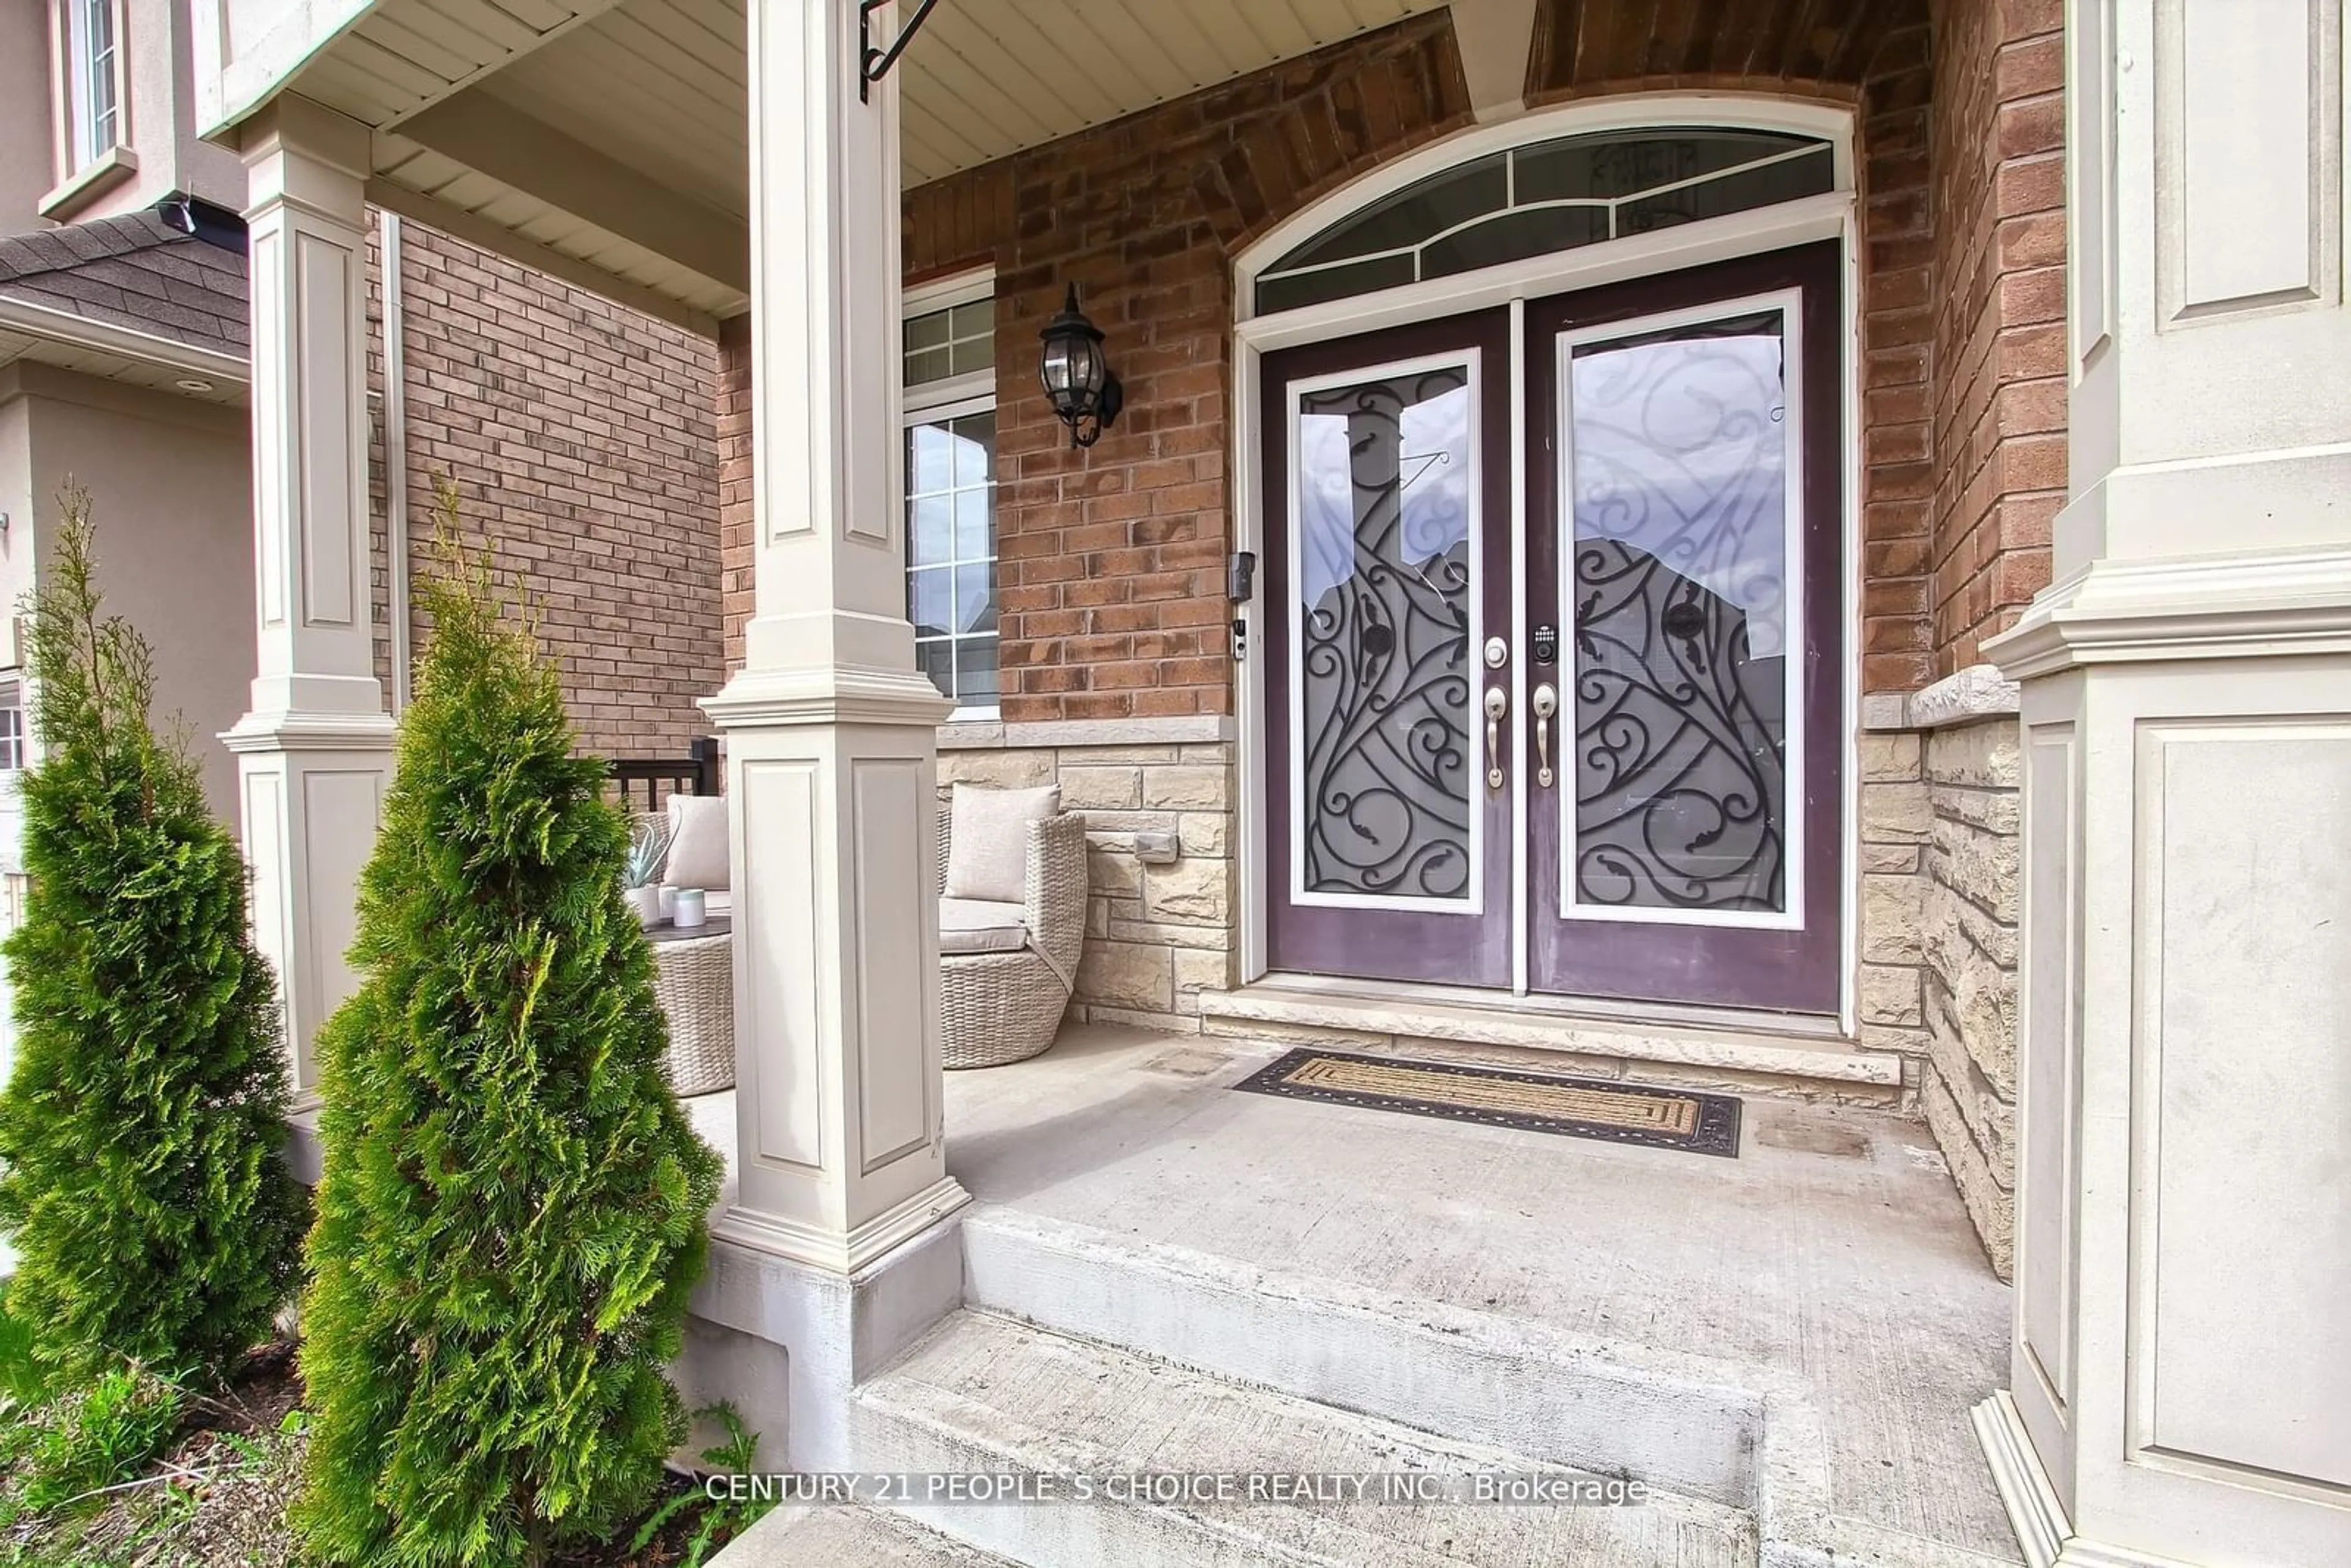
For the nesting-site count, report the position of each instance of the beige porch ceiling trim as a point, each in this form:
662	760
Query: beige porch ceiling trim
491	234
605	140
511	147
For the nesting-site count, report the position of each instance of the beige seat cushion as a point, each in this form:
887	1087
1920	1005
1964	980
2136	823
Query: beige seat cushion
697	843
981	925
987	850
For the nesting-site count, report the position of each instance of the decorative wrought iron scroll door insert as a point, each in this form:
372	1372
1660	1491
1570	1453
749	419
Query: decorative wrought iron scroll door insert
1684	536
1665	744
1386	470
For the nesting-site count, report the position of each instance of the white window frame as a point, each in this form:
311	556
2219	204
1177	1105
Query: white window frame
86	163
954	397
78	144
15	753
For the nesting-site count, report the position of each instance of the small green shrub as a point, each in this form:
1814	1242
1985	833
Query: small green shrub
104	1433
22	1381
512	1208
140	1135
722	1519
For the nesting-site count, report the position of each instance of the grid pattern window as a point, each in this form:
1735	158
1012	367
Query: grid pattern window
959	341
12	736
93	110
1547	197
950	418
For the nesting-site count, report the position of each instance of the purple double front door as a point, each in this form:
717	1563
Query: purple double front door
1554	641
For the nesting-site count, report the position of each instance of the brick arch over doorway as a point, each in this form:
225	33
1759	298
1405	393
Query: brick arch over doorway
1583	47
1111	569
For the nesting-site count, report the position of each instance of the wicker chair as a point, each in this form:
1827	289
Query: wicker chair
693	985
1003	1006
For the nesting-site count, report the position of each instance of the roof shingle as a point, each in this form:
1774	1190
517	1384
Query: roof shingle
136	271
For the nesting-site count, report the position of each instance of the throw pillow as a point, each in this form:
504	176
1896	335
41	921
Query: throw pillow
988	851
697	843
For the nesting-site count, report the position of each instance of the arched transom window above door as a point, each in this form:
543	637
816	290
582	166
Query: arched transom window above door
1543	197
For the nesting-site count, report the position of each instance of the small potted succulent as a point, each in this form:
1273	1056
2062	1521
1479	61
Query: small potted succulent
641	876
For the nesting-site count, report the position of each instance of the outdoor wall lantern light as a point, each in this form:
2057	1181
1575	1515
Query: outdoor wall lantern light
1077	378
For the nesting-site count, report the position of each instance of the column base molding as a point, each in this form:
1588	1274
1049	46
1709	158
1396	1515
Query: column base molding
2033	1508
311	731
844	1253
2271	603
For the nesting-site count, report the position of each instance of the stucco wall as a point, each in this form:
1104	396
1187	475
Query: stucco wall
16	503
171	487
24	156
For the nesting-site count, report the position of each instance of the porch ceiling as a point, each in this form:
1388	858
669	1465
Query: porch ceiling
605	141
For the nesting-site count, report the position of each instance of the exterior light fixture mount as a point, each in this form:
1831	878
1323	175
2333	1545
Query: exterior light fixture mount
873	60
1077	379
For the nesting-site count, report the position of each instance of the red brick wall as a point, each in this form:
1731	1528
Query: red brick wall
1111	586
1897	331
734	409
1999	327
1113	558
582	440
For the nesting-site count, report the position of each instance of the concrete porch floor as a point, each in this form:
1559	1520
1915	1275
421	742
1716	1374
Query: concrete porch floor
1829	1270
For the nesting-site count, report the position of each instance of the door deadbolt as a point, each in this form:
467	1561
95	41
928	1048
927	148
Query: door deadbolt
1546	644
1497	652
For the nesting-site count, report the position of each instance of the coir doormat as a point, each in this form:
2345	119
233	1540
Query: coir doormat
1578	1108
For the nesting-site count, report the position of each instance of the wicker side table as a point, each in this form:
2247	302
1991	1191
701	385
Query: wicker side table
694	981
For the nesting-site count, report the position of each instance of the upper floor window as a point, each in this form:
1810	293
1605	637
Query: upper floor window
950	419
1544	197
92	81
12	734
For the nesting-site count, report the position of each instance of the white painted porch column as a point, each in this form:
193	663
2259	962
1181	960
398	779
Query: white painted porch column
2181	1384
314	755
830	751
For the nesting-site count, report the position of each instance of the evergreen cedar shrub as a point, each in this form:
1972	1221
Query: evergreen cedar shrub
512	1208
141	1133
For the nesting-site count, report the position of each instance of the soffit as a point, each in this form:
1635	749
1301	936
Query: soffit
654	92
660	83
224	388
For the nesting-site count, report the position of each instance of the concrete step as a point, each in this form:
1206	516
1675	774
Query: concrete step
850	1537
1736	1441
1717	1050
985	1394
1469	1376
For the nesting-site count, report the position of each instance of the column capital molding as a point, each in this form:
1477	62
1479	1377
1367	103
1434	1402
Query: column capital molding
826	695
291	122
2270	604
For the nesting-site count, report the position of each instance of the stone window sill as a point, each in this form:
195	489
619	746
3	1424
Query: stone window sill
105	171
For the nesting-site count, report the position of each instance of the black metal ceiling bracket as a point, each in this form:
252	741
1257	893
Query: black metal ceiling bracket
875	63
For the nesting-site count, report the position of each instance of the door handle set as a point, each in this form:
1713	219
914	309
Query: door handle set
1546	703
1498	707
1498	704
